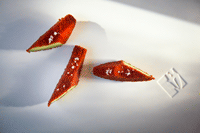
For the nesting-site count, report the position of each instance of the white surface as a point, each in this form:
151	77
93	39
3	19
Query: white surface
188	10
110	31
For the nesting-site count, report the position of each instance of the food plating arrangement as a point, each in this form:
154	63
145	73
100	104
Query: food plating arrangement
58	35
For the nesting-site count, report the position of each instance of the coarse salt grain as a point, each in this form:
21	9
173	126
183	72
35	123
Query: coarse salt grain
73	67
128	73
108	71
55	33
76	58
50	39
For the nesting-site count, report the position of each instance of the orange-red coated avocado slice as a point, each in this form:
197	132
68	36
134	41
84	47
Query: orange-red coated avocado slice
70	77
121	71
56	36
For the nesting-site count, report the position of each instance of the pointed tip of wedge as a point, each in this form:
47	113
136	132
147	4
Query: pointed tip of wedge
49	104
28	51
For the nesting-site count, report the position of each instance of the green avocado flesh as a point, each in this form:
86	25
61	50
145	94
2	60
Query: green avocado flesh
46	47
63	94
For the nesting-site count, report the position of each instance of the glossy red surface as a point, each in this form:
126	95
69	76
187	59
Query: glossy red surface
70	77
60	32
119	71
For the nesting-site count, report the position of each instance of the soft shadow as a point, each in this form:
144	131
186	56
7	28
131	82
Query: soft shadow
35	79
26	89
88	32
89	35
181	78
184	10
197	129
34	82
21	34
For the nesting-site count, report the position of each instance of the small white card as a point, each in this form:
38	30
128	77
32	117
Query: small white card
172	82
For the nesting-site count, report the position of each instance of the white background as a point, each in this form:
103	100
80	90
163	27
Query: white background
110	31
